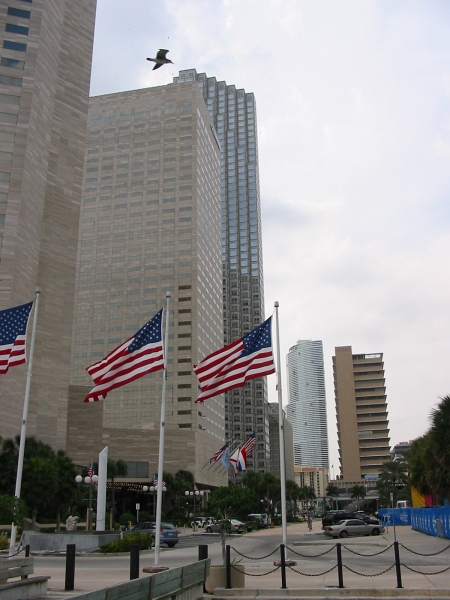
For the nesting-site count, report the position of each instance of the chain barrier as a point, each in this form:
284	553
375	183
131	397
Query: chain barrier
421	554
11	555
310	555
311	574
367	555
256	574
253	558
422	573
369	574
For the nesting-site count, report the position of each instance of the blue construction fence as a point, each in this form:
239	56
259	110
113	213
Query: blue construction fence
433	521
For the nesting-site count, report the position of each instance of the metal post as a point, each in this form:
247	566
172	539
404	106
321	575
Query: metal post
397	565
339	565
134	561
195	523
203	555
27	554
283	567
70	568
228	566
90	508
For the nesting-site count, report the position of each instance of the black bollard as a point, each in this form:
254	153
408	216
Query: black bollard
27	554
203	555
70	568
397	565
283	567
228	567
134	561
339	565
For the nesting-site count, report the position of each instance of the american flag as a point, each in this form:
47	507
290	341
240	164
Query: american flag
155	481
218	455
231	366
13	336
195	487
91	470
139	355
249	444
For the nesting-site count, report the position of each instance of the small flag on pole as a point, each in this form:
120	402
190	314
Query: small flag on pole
13	336
138	356
225	459
91	471
219	453
249	444
231	366
155	481
239	460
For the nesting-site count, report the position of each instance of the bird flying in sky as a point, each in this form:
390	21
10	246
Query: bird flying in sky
160	59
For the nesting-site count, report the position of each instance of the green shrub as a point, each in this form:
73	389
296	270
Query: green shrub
126	518
276	521
145	516
143	539
4	542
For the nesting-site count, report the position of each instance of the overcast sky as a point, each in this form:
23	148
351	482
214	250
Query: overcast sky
353	105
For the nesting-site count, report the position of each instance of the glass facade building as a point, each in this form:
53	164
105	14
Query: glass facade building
233	112
307	408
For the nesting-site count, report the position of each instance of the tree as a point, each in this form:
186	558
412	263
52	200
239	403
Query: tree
12	509
293	493
66	485
253	480
270	489
115	468
438	449
232	501
358	492
332	492
393	474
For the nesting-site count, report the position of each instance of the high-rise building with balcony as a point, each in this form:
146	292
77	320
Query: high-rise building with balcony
45	67
361	412
233	113
307	407
150	224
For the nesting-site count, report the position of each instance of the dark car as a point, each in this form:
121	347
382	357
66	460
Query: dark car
168	533
334	516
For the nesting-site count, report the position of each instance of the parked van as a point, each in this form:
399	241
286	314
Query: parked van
403	504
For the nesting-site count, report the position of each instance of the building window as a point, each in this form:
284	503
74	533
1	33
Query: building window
18	12
14	46
10	28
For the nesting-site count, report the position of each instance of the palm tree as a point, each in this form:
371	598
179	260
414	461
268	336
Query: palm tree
115	468
358	492
293	493
393	474
332	492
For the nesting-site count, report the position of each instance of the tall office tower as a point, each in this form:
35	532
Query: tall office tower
46	51
307	408
361	412
274	436
150	224
233	112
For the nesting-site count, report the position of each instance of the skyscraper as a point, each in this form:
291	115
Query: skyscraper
307	407
233	112
274	434
361	413
46	51
150	224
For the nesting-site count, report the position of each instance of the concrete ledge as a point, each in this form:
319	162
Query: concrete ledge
25	589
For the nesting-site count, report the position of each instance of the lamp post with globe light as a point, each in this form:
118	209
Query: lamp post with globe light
89	480
153	489
195	494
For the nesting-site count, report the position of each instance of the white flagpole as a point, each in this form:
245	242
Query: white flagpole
23	431
281	436
161	439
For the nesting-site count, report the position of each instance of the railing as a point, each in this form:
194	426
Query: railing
340	566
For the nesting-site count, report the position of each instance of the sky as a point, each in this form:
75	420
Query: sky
353	111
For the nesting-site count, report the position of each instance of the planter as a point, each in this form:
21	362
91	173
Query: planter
217	578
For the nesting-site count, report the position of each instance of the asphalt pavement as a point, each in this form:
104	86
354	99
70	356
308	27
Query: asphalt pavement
368	561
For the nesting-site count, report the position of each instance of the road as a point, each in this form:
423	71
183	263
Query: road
98	571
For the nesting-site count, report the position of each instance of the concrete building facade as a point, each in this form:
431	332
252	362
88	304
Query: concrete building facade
233	113
307	407
150	223
313	477
46	52
361	413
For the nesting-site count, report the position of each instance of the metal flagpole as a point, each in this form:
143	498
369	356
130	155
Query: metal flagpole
161	439
281	435
23	431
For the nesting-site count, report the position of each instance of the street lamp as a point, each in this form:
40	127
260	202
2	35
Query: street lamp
89	480
153	489
194	494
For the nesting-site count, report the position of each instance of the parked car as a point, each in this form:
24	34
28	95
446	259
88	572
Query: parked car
264	518
253	522
232	526
347	527
203	521
168	533
334	516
